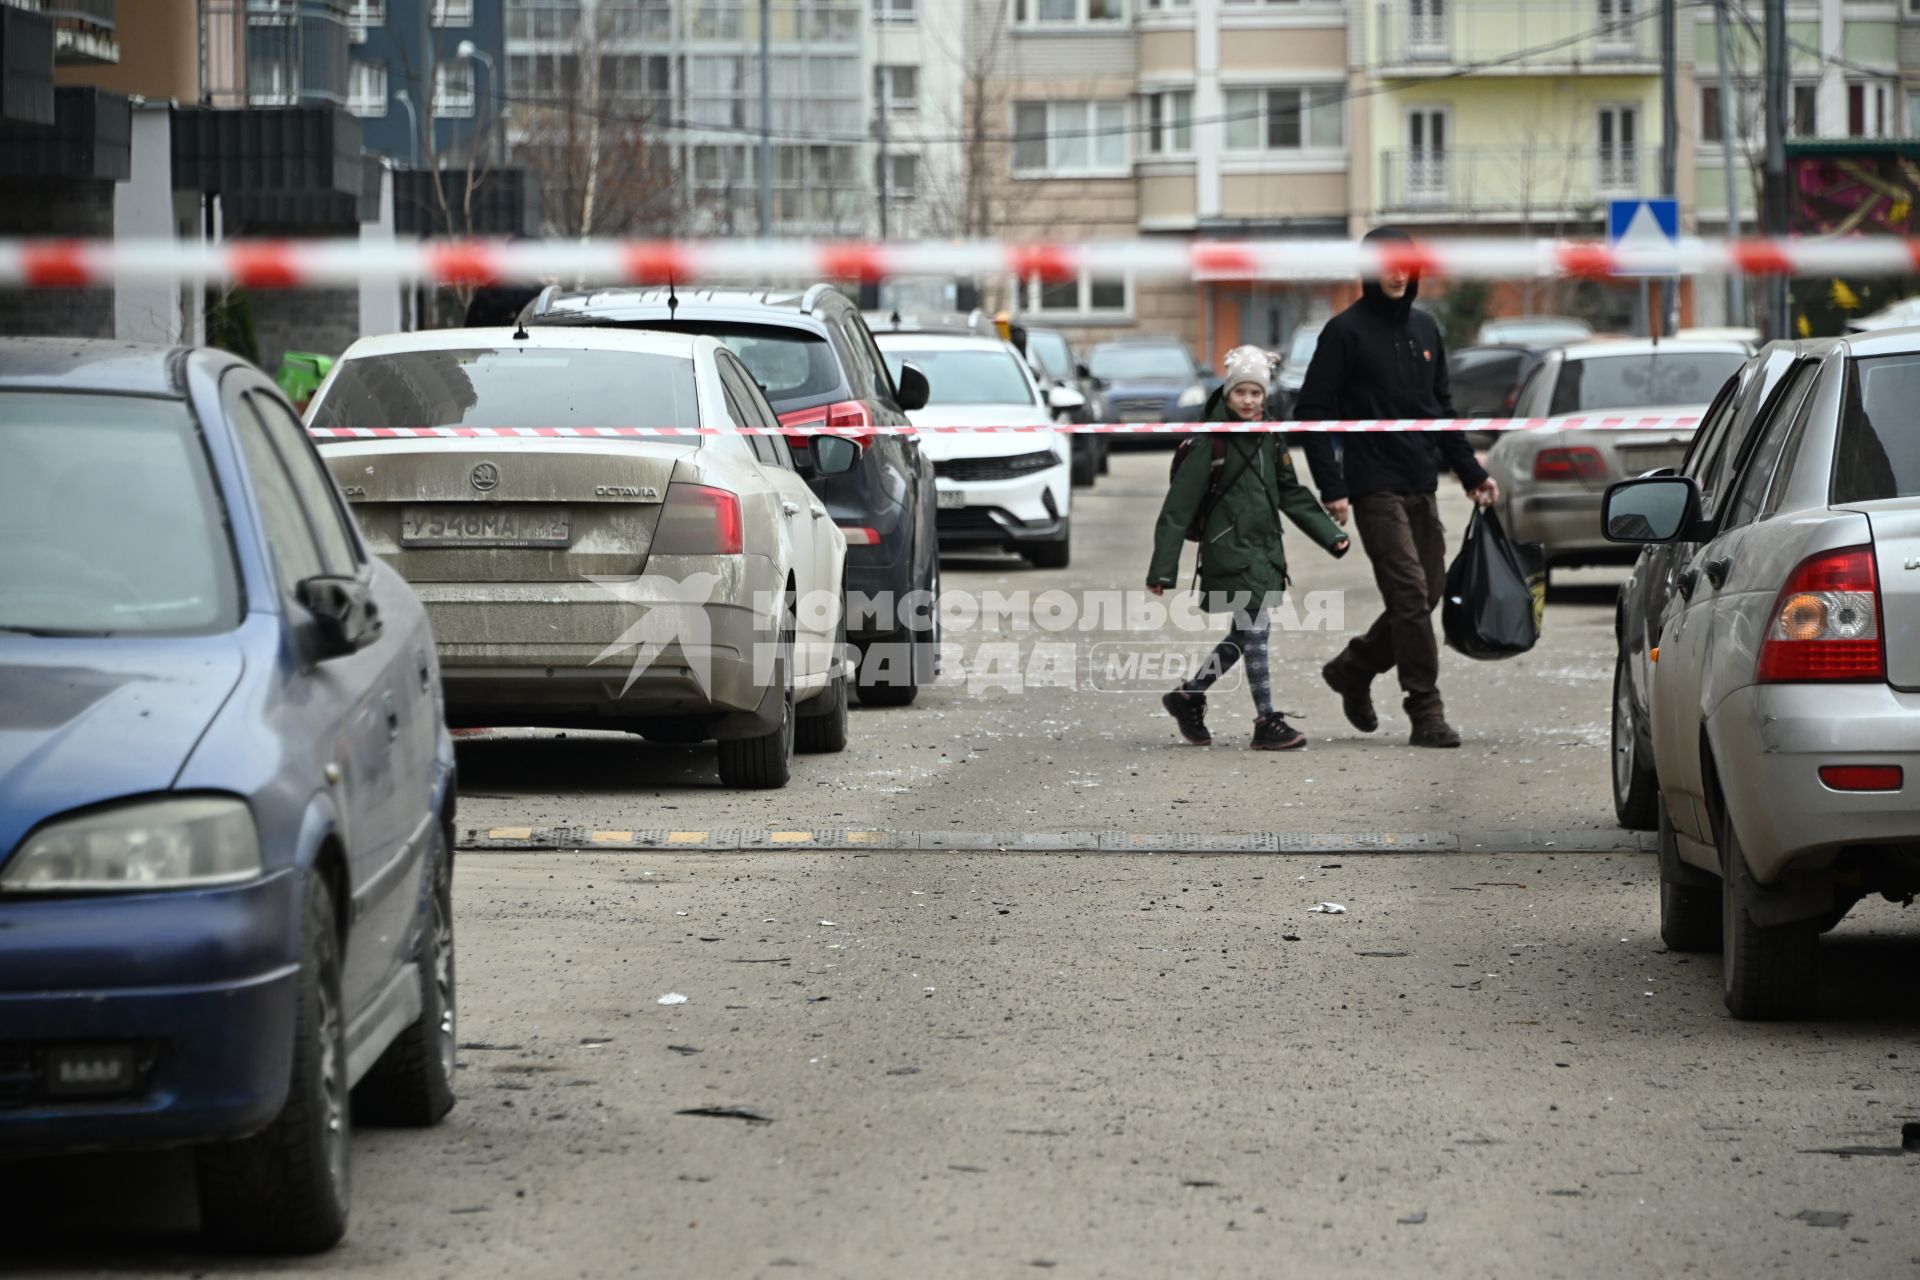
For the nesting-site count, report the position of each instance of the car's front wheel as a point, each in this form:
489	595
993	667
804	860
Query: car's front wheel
1767	971
1056	554
1636	791
412	1083
285	1189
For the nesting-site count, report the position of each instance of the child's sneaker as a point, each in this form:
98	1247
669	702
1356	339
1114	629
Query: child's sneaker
1189	711
1273	733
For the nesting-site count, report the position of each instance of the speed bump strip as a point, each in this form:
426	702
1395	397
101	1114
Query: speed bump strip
569	837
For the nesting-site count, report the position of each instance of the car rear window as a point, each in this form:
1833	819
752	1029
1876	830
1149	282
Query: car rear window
530	386
1121	360
1878	452
109	519
966	377
1642	381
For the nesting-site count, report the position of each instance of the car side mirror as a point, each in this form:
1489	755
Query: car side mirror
1083	373
345	619
913	388
1065	399
1651	509
834	455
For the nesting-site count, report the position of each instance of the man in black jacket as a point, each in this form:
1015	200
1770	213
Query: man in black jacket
1382	359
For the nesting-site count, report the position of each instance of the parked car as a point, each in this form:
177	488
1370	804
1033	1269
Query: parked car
1783	703
1715	456
548	565
1722	333
1552	481
1059	365
1151	378
226	794
1486	379
996	488
815	359
1533	331
1293	368
1894	315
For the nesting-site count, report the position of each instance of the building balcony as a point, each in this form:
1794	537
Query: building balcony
1507	38
83	30
1540	185
277	53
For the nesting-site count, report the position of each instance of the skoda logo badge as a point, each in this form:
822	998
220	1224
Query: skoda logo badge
485	477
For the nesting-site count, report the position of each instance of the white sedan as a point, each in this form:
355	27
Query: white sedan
679	586
1011	490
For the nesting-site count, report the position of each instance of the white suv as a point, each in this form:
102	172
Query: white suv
996	488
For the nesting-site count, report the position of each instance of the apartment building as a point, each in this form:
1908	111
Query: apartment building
424	80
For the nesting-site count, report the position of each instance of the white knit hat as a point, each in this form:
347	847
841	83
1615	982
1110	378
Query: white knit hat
1248	364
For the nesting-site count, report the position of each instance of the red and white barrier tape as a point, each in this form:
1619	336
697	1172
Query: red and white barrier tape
287	264
1589	422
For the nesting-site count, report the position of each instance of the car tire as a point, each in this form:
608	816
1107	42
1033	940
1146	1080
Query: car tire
412	1082
1768	972
1057	554
286	1188
1636	791
879	688
1085	472
823	730
1104	454
765	762
1689	908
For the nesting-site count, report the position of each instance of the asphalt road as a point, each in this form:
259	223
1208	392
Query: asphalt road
1123	1064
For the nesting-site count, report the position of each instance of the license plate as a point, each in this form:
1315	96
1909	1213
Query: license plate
1640	459
485	526
950	498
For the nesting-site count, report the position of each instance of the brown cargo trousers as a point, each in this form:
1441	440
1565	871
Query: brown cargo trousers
1408	549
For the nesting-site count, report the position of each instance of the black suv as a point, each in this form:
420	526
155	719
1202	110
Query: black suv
813	355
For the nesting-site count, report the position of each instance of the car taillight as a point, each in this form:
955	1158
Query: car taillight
850	418
1577	463
1826	623
697	520
860	535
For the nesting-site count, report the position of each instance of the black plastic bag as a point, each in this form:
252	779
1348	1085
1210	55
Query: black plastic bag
1496	592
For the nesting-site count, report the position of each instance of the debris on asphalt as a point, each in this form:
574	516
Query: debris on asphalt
1198	1182
1847	1152
684	1050
1289	937
1413	1219
594	1042
903	1071
1823	1217
479	1046
1328	908
831	924
1384	955
752	1115
672	997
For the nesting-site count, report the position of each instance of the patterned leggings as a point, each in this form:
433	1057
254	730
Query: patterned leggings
1248	637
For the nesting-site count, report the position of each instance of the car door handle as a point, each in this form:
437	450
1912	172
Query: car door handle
1717	571
791	508
819	513
1686	582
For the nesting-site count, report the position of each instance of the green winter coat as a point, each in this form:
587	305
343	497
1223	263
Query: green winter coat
1241	552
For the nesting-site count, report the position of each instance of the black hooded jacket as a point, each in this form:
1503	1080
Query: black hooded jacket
1382	359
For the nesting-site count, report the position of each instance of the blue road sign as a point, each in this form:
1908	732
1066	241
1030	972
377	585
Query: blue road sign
1644	224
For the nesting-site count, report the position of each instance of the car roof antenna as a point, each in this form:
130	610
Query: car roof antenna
673	300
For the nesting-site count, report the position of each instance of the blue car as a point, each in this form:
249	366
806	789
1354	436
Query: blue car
226	792
1150	378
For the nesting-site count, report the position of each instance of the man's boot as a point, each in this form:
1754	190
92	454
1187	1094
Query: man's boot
1356	700
1430	727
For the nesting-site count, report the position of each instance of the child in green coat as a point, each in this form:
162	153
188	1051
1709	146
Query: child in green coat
1243	567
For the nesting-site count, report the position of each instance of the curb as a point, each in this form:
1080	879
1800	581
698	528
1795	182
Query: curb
579	839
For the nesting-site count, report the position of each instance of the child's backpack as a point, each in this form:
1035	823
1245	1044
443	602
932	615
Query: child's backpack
1218	441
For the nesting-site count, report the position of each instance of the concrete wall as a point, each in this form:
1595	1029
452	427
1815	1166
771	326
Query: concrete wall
322	320
66	207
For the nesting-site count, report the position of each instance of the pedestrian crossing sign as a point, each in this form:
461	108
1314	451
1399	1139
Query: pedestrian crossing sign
1643	226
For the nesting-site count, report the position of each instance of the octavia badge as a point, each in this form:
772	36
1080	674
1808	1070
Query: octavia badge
485	477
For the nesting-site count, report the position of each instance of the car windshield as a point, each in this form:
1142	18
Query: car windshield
1878	452
530	386
1119	361
967	376
109	520
1642	381
1050	349
1304	341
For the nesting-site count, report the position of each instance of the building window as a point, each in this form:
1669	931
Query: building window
1067	13
1092	297
367	14
1295	118
1169	122
896	12
452	13
901	175
453	90
367	90
1182	6
1805	122
270	83
1748	120
1869	109
1618	130
897	89
1070	139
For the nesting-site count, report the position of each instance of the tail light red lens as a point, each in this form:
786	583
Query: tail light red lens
697	520
860	535
851	418
1826	623
1862	777
1576	463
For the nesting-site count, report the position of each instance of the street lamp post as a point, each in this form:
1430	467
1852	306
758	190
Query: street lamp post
468	49
405	99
